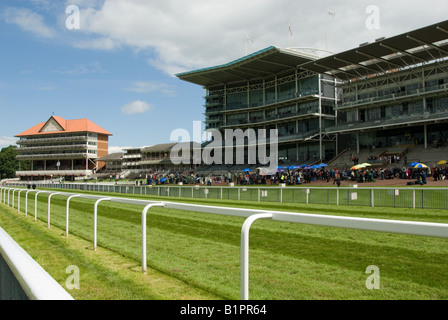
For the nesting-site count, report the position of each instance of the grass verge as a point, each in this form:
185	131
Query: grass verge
196	256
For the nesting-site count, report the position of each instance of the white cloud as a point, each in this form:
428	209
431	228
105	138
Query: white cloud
28	21
7	141
181	35
136	107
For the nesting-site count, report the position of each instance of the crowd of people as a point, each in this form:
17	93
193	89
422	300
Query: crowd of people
333	176
297	176
362	175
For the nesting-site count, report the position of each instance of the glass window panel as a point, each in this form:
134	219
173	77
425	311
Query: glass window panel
256	98
309	86
287	91
237	100
270	95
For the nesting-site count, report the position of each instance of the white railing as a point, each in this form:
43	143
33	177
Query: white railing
428	229
397	197
32	280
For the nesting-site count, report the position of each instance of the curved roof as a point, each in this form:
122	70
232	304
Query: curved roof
258	65
384	55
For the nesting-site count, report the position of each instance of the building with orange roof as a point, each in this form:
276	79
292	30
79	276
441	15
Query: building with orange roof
60	148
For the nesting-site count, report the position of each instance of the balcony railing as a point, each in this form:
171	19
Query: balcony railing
132	156
313	111
395	96
48	140
441	114
49	148
294	98
55	156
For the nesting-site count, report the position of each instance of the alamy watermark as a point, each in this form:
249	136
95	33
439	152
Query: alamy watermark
72	282
373	21
230	147
373	281
73	21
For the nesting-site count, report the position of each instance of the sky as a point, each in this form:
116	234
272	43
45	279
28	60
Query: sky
115	61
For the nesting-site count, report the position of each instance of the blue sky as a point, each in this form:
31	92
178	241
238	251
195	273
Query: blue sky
118	68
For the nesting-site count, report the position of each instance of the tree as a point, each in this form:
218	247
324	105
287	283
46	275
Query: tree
9	164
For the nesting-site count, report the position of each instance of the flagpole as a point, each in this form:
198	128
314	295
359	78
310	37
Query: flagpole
326	31
328	12
290	35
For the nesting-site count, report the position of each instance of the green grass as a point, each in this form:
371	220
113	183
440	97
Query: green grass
407	197
197	256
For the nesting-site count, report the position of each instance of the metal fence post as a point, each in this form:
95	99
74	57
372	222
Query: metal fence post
413	198
49	202
26	203
245	252
67	212
144	213
35	206
9	196
95	220
18	200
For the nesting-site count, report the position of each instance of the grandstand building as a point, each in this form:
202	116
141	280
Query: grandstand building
390	96
113	163
159	157
132	158
60	148
267	90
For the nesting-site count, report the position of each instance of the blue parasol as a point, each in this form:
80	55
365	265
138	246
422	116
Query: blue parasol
420	166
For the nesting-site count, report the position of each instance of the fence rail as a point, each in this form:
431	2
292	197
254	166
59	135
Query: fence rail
390	226
410	198
22	278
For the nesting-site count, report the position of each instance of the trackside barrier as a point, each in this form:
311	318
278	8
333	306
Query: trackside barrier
22	277
397	197
438	230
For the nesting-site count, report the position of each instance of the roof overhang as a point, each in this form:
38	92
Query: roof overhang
386	55
258	65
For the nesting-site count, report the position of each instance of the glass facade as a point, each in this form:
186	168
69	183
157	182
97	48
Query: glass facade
295	104
407	107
